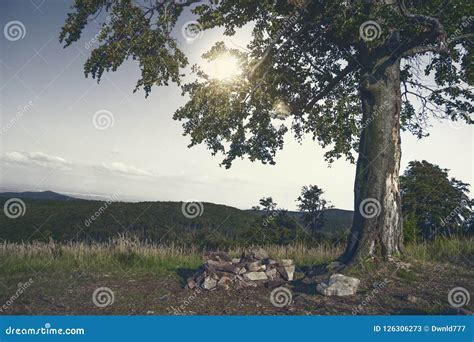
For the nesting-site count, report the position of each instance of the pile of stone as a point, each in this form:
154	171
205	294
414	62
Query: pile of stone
252	269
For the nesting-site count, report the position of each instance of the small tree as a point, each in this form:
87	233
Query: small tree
268	204
433	204
313	206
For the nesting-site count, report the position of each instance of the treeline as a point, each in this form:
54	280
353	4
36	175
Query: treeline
433	205
211	226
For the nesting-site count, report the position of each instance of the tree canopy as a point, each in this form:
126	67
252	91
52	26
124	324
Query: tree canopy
310	57
311	203
433	203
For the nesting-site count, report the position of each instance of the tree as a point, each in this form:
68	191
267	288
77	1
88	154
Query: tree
433	203
349	73
313	206
268	204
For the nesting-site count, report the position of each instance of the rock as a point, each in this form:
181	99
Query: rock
256	266
191	283
338	285
224	266
209	283
255	276
271	273
412	299
287	272
285	262
225	282
242	283
240	270
252	269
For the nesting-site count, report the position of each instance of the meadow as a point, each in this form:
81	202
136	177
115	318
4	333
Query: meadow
148	278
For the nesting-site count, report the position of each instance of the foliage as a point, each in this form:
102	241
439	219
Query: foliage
217	227
433	204
411	232
309	56
268	204
313	206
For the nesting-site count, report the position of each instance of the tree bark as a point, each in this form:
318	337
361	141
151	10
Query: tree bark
377	224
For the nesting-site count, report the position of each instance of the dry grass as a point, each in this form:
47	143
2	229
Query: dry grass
130	253
444	250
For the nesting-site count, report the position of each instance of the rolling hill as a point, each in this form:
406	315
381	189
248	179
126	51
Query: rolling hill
51	215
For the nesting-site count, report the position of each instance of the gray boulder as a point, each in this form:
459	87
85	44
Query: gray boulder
339	285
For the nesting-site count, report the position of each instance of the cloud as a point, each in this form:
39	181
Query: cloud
36	159
123	169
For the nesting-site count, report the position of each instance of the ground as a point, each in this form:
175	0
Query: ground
64	285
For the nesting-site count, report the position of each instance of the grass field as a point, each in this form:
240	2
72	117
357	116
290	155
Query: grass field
149	279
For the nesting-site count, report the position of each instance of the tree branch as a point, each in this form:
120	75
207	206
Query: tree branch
332	83
435	48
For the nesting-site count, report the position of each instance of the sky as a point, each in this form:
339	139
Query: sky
51	115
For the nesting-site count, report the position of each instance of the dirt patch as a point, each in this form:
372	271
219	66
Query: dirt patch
421	290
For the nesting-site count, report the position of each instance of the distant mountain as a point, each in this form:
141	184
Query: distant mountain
38	195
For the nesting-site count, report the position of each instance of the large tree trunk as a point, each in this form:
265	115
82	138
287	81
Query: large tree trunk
377	225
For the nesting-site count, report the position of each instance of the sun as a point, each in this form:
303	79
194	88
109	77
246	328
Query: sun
224	68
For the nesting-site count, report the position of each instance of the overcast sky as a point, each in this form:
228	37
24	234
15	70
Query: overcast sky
48	140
